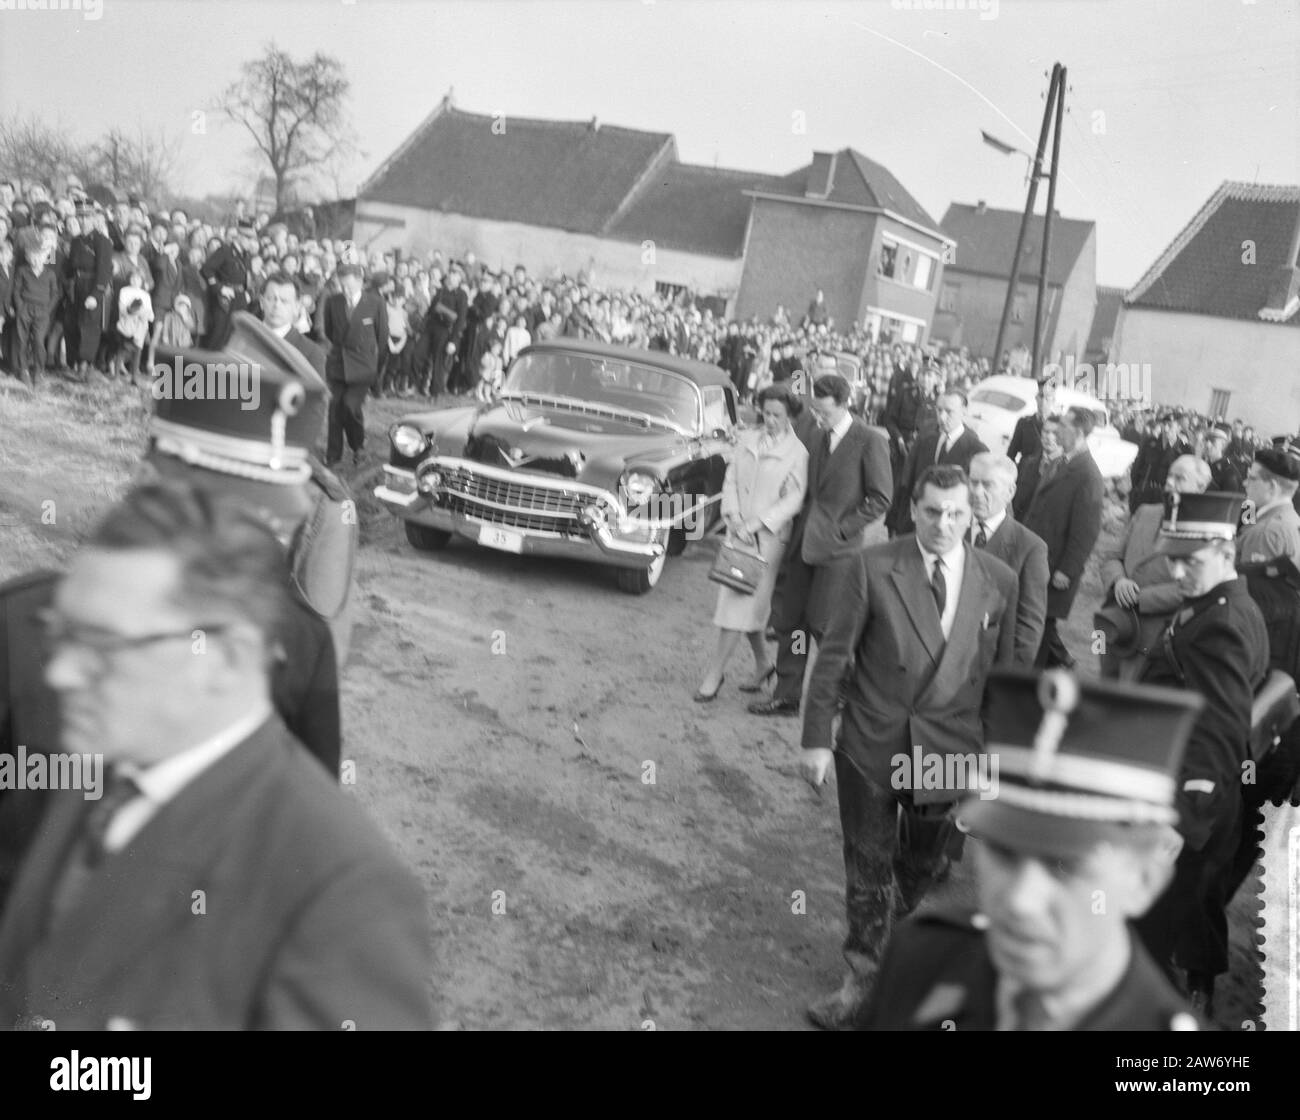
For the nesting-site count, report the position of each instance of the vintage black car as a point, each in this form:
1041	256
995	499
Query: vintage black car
596	452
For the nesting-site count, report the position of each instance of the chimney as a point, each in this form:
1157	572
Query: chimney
1284	288
821	176
981	207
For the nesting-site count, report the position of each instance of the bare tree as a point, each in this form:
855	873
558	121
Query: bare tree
292	110
34	149
143	163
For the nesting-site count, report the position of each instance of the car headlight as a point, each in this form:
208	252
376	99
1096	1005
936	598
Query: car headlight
637	488
408	441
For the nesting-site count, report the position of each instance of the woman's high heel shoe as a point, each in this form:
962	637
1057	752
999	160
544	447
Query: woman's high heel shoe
709	697
760	683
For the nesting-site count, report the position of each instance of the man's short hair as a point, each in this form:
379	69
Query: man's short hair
831	385
1000	465
1199	467
959	394
1082	418
942	476
232	567
281	279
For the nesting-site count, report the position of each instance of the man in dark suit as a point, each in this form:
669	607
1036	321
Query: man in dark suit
921	631
1029	471
950	444
279	311
995	529
219	879
444	327
904	403
1080	816
226	272
1065	512
1224	475
356	327
848	494
1154	458
1027	436
1216	646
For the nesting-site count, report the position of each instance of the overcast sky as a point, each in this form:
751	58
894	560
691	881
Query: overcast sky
1167	97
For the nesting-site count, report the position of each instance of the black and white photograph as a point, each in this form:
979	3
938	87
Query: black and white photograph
647	515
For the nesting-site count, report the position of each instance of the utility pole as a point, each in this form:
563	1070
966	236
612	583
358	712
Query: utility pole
1040	309
1055	101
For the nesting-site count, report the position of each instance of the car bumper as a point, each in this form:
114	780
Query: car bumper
592	539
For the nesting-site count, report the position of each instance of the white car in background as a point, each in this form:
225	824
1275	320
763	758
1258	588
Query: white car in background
996	403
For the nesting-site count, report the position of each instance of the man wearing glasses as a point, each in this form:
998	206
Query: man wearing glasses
221	881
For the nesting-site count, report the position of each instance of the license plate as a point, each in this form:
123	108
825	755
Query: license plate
502	539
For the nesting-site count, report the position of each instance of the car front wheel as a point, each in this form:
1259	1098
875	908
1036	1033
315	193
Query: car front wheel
637	581
426	539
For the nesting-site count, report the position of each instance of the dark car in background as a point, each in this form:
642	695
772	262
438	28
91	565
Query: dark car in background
595	452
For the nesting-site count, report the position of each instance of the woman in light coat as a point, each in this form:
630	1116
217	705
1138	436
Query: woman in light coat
761	496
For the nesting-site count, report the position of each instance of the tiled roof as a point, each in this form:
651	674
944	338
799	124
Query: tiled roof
1228	260
986	242
855	181
694	209
571	175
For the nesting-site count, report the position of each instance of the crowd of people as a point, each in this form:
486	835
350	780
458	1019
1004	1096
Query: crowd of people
914	582
923	582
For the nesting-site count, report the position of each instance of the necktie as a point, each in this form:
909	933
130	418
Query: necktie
940	447
981	537
939	585
830	441
87	850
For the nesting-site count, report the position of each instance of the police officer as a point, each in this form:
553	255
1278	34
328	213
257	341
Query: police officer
261	456
1084	804
1224	475
226	272
1216	646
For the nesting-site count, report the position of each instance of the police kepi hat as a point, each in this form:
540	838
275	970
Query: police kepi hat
251	411
1078	761
1191	521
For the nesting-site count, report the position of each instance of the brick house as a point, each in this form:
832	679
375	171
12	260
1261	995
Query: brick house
845	225
1217	316
617	206
976	278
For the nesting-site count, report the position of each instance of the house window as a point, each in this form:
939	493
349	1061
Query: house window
669	291
911	332
1219	403
948	297
921	278
1018	308
888	259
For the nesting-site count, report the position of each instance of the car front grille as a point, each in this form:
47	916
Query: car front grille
515	504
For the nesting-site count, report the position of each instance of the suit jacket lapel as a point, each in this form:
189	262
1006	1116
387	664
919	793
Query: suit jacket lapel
918	600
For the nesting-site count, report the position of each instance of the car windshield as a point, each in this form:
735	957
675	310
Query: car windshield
611	383
998	400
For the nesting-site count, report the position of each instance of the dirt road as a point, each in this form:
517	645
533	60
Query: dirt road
599	851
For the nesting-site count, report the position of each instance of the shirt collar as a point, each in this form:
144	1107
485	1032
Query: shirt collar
992	524
842	425
164	780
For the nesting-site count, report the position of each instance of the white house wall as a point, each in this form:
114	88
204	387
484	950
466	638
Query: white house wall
611	264
1191	355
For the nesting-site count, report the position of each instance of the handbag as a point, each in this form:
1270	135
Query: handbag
737	567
